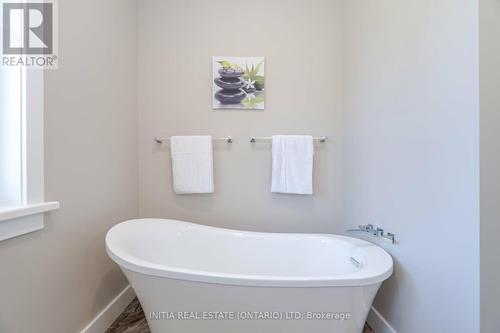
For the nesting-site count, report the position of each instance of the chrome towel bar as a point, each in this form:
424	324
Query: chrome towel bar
227	139
268	138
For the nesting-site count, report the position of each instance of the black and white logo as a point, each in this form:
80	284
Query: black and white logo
28	30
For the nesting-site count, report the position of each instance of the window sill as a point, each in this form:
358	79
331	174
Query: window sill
18	221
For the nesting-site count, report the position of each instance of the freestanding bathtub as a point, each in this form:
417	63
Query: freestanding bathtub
192	278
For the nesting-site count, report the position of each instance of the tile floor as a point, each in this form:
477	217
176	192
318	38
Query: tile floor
132	320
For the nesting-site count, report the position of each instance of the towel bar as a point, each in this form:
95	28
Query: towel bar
227	139
267	138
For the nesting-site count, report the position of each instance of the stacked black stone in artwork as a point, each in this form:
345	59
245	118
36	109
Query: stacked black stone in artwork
231	82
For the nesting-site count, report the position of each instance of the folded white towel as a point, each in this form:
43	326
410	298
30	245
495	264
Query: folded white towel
292	164
192	164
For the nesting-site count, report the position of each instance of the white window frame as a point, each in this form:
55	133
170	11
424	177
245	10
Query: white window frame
29	215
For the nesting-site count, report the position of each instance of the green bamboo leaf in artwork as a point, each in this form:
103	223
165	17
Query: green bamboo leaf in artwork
252	101
246	76
257	68
225	64
228	65
253	73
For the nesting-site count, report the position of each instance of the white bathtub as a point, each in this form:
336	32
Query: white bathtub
192	278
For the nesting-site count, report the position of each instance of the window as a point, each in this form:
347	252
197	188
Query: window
22	202
10	138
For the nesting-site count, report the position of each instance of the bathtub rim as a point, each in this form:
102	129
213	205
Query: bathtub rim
366	275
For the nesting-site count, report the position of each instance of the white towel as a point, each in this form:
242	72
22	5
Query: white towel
192	164
292	164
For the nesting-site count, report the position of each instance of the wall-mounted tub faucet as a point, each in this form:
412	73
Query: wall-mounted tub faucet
365	228
376	232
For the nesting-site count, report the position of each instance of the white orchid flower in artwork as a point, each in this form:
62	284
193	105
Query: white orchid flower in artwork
250	84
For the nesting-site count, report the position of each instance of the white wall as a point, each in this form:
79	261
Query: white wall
301	43
58	279
411	153
489	28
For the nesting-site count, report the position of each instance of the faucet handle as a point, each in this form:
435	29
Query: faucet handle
390	236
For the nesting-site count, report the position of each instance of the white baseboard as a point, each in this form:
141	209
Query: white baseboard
378	323
108	315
